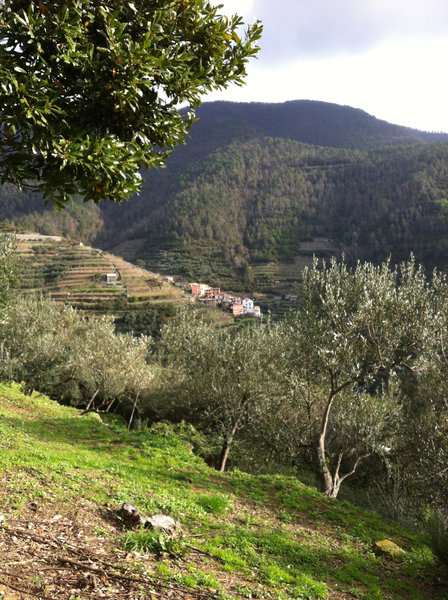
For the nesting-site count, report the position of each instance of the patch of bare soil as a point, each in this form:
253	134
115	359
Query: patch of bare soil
53	556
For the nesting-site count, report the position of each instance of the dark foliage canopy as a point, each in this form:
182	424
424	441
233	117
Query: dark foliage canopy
90	89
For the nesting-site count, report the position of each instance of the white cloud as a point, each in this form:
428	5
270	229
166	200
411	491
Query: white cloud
388	58
324	27
240	7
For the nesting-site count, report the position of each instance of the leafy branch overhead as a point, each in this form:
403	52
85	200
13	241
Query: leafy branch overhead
90	90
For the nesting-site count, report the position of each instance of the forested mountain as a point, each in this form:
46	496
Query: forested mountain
268	195
256	182
28	211
311	122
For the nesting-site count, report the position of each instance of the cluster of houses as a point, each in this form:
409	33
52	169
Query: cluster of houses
233	304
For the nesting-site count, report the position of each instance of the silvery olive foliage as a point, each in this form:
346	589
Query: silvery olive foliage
225	378
38	341
71	357
357	335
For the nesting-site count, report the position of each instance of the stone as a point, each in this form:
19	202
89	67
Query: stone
164	523
129	515
388	548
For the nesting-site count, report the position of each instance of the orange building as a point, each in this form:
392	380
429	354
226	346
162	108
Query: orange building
212	293
196	289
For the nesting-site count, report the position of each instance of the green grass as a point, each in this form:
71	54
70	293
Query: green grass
244	536
214	503
155	542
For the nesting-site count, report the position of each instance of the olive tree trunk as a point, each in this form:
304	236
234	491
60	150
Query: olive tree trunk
331	481
229	437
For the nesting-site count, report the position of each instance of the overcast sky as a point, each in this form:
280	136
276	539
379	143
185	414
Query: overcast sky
388	57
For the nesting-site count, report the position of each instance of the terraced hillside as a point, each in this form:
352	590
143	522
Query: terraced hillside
256	184
85	277
143	285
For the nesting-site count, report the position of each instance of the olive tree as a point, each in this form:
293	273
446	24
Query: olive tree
74	358
112	366
225	377
356	332
422	459
90	89
8	272
39	342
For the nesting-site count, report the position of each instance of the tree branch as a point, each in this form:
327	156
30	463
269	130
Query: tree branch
355	466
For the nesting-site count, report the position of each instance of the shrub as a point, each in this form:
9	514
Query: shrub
437	528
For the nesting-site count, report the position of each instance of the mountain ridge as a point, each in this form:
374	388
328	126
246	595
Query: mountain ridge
343	126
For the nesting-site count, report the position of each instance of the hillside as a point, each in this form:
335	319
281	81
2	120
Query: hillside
306	121
27	211
260	201
64	476
259	187
71	273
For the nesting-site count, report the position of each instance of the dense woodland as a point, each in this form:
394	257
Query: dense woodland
260	199
255	181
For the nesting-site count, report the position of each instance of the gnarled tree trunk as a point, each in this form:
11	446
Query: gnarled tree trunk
331	482
230	436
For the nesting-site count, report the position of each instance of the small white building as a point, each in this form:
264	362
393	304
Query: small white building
257	311
248	304
111	278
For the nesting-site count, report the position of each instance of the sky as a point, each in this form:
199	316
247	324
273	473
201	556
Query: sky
387	57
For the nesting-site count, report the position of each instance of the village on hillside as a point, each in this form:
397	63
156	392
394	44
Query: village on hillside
236	305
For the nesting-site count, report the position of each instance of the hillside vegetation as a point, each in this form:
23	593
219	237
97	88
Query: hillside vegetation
306	121
260	201
257	184
70	272
63	476
27	212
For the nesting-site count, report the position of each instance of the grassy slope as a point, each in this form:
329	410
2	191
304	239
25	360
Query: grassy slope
270	537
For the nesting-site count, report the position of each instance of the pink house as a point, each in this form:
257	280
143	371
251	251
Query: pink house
237	309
